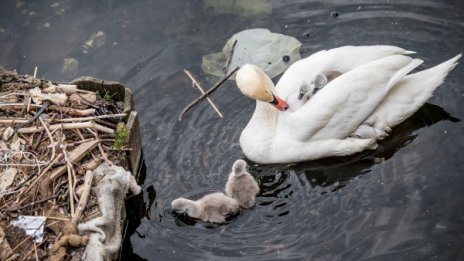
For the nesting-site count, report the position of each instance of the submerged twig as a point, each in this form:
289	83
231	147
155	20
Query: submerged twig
229	59
194	81
215	87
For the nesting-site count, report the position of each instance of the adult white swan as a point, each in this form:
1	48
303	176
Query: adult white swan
369	93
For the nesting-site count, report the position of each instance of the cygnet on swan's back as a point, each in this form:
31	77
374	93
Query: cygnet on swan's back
241	185
214	207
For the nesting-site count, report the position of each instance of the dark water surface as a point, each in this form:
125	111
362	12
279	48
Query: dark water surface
405	201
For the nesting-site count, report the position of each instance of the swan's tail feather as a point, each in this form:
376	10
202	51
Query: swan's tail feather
409	94
392	50
403	71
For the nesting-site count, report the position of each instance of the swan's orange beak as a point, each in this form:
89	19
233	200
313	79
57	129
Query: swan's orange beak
279	103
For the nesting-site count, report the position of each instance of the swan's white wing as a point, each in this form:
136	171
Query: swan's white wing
408	95
341	106
341	59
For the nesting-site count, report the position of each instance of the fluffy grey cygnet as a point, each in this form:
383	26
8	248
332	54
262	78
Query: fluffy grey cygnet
241	185
214	207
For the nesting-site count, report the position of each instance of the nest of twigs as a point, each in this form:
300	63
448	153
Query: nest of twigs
50	136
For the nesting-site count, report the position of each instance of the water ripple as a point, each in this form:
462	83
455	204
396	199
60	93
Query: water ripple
401	202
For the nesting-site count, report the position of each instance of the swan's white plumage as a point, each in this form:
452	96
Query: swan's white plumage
409	95
372	94
349	100
341	59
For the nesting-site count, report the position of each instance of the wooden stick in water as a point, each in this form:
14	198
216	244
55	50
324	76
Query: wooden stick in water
202	92
215	87
229	59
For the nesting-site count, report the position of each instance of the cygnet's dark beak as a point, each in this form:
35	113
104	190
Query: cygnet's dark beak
279	103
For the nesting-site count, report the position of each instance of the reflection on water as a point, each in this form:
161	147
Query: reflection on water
401	202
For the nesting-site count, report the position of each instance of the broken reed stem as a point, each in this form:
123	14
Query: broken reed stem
59	218
70	89
73	172
102	152
194	81
20	243
70	182
29	103
17	188
84	196
52	142
35	249
79	134
23	164
67	126
93	117
8	121
70	111
38	177
31	120
33	203
215	87
105	157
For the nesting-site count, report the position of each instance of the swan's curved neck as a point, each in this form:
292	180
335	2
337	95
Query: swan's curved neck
262	124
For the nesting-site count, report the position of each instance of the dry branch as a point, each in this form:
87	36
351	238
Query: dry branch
67	110
52	142
84	196
75	156
68	126
71	111
194	81
90	118
69	168
231	54
217	85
